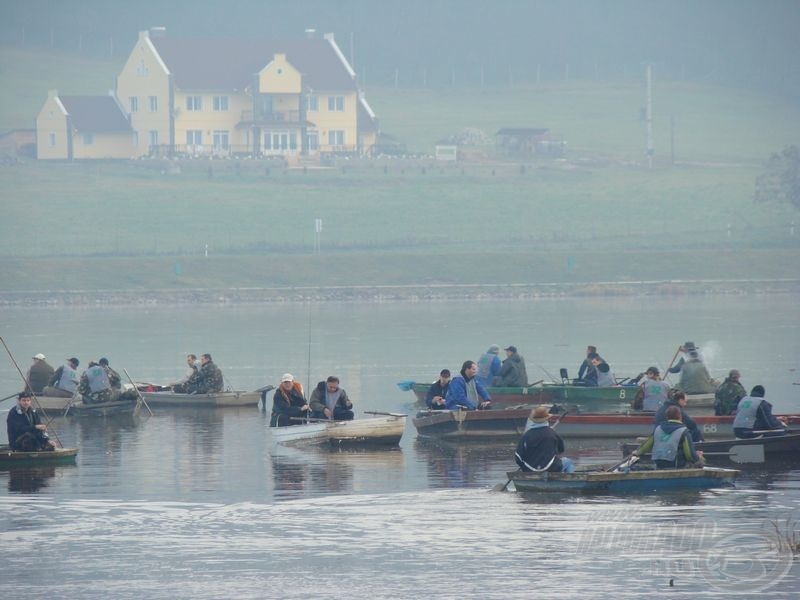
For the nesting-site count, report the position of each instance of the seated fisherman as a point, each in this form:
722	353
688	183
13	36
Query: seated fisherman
679	399
435	398
512	372
754	417
653	392
209	378
329	401
540	447
466	392
289	407
39	374
671	444
26	432
605	377
727	396
190	380
64	381
95	385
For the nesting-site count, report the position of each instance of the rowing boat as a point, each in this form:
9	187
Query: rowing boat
215	400
380	430
10	458
511	423
589	398
636	481
752	450
126	407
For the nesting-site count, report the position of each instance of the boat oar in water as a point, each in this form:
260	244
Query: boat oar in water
384	414
138	393
504	487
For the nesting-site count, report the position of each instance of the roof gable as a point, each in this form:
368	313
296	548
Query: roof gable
95	114
217	64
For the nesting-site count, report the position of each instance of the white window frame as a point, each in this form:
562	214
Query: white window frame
51	140
312	141
222	139
335	103
194	137
153	103
221	103
133	102
336	137
194	103
153	135
312	103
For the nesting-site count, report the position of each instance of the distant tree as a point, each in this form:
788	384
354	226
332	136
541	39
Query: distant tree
780	181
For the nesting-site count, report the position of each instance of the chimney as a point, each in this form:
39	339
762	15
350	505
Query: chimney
158	32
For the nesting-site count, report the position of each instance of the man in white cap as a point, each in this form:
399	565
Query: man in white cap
289	407
39	374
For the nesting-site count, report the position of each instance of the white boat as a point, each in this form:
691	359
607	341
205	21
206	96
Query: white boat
383	429
217	400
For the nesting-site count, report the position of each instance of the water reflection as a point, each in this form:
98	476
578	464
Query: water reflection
30	479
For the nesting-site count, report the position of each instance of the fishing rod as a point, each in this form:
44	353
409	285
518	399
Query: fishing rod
29	388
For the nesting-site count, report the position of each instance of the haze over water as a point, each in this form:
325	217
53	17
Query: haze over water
199	503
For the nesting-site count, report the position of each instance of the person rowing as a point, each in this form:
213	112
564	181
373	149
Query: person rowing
671	444
754	417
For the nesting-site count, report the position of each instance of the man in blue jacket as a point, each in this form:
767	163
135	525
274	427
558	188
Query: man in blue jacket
466	392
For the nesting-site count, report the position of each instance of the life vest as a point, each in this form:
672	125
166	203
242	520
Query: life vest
98	379
746	412
665	445
655	394
69	379
605	379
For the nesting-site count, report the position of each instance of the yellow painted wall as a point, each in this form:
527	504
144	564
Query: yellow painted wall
142	76
279	77
51	119
345	120
208	120
106	145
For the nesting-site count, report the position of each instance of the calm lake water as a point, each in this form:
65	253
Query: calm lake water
193	503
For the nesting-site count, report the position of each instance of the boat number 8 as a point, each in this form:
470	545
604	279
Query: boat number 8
622	394
710	428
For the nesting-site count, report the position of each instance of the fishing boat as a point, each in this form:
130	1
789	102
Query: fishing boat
213	400
52	403
625	481
752	451
511	423
126	407
11	458
379	430
589	398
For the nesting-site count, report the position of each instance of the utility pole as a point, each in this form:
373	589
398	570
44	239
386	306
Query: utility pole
649	115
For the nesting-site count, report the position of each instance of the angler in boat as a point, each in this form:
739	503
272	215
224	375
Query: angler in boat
26	432
64	381
695	378
540	448
679	399
727	396
466	392
329	401
512	372
289	406
754	417
671	444
653	392
101	384
39	373
185	385
435	398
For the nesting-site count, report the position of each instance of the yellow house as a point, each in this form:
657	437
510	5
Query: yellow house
78	127
236	97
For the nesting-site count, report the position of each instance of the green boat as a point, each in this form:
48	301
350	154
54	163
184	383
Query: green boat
59	456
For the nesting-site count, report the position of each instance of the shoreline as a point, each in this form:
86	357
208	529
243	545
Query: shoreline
395	293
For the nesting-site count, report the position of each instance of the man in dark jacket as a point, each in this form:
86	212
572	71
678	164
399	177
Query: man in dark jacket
512	372
540	446
679	399
435	398
329	401
727	396
209	377
754	417
289	406
39	374
26	432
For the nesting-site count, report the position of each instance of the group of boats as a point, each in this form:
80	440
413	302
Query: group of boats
579	411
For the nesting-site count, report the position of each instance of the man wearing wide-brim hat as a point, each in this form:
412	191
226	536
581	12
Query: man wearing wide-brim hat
39	373
540	447
695	378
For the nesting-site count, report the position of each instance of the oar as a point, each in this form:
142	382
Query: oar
8	397
387	414
750	453
631	459
669	366
504	487
138	393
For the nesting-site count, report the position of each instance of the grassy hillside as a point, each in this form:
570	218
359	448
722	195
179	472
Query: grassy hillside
597	215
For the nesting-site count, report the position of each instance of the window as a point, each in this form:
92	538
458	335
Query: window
153	103
141	69
51	139
221	140
194	103
133	102
312	140
220	103
194	137
336	103
312	103
88	139
153	137
336	137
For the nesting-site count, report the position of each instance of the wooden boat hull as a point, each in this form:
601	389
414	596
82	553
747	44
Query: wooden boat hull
785	447
633	481
105	409
378	431
510	423
218	400
53	403
595	399
10	458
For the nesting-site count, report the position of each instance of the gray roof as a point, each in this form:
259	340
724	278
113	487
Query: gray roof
95	114
218	64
